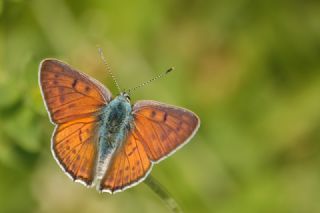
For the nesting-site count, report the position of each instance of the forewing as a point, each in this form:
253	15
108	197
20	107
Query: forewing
129	166
69	94
74	147
162	128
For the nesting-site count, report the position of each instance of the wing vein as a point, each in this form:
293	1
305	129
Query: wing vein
62	95
159	140
86	142
115	177
80	116
142	139
67	126
77	91
156	121
141	162
64	104
129	165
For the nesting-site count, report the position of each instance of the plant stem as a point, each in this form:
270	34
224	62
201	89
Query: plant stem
163	194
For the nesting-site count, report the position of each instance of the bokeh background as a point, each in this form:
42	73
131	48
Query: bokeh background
249	69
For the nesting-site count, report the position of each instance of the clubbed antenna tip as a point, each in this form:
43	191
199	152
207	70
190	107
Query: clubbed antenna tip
169	70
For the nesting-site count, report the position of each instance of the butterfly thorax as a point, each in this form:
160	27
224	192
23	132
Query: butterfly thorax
115	122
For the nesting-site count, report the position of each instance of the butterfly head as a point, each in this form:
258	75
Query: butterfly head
125	96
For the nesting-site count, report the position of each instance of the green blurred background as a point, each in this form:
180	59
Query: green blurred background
249	69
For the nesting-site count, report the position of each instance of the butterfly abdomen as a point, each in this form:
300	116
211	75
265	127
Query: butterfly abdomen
115	122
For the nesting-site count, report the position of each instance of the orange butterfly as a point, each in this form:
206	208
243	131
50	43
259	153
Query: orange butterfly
105	141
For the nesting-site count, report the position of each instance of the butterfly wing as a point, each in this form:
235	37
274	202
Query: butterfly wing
73	101
74	147
129	166
69	94
159	130
162	128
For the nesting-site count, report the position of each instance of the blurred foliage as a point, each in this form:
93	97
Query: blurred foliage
250	69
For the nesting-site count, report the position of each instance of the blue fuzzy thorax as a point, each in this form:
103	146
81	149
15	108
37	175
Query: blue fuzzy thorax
115	122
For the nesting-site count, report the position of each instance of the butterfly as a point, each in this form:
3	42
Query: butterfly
105	141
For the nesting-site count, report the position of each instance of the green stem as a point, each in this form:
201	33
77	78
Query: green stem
163	194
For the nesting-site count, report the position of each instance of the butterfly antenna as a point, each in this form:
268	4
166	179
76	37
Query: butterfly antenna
109	69
149	81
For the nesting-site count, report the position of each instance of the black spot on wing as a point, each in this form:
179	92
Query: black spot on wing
74	83
165	117
153	114
87	89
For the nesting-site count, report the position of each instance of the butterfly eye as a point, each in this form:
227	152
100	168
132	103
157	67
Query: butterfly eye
128	98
